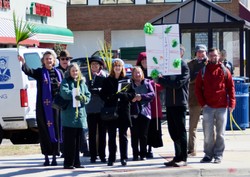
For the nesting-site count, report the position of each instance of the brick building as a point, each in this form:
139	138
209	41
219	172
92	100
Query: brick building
121	24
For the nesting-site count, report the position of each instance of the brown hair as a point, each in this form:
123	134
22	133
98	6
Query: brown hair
137	68
213	49
112	72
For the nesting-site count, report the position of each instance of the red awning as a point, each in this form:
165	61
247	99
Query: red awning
244	12
7	34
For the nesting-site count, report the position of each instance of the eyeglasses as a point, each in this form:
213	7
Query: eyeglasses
65	58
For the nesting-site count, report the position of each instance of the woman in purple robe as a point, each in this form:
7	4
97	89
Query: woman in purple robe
48	119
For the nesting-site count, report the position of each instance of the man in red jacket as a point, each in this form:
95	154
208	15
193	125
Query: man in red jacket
215	92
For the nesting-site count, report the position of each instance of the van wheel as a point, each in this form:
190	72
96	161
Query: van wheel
1	134
25	137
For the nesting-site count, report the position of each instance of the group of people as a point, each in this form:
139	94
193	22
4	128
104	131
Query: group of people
204	84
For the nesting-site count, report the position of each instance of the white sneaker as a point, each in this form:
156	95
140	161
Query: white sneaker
180	164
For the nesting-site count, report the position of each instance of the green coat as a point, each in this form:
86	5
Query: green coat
68	116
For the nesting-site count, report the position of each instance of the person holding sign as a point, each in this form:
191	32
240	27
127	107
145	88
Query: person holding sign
74	117
116	91
176	107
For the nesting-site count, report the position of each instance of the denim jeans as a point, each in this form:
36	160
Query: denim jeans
214	126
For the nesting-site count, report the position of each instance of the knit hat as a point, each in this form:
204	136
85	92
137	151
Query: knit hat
141	57
200	47
96	59
119	60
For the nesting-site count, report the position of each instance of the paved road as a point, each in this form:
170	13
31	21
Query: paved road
235	162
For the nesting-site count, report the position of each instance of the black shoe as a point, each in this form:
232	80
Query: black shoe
143	158
79	166
53	163
135	158
149	155
123	162
206	159
46	163
217	160
171	163
68	167
103	160
180	164
110	163
86	154
92	160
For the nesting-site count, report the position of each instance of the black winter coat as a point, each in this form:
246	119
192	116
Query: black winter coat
110	97
177	87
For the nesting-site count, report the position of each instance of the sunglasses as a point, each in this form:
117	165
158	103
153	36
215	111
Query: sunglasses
65	58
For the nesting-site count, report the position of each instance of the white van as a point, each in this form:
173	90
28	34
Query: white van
18	95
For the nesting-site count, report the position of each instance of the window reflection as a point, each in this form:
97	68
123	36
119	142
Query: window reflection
117	1
77	2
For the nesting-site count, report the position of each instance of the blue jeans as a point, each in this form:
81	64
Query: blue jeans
214	126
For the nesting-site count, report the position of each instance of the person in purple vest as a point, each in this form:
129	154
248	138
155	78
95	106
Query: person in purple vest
48	82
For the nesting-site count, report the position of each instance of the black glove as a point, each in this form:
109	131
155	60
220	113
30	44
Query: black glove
80	98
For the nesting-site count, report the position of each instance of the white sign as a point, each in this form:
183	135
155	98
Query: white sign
163	50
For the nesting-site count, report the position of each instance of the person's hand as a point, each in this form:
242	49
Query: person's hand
21	59
205	106
80	98
231	110
138	97
134	99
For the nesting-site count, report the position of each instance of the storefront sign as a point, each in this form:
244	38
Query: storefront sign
40	10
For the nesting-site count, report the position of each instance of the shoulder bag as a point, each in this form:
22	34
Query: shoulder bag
59	103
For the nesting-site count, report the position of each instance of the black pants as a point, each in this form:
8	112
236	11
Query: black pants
123	142
71	140
96	124
84	147
176	117
139	134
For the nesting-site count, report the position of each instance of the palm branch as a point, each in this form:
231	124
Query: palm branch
106	54
23	30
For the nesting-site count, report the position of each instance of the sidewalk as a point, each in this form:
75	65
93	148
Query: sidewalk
235	162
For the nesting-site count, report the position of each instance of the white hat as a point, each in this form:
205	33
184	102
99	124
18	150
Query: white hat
119	60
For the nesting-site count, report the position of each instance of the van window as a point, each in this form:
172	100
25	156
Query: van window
33	60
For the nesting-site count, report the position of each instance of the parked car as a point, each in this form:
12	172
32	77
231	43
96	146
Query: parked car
82	63
115	54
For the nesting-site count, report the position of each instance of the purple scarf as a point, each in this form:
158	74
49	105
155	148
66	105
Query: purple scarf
47	101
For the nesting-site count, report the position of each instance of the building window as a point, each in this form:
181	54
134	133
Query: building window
179	1
116	2
85	2
164	1
221	0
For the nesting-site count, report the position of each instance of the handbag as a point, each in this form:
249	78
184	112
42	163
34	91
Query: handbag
59	103
109	113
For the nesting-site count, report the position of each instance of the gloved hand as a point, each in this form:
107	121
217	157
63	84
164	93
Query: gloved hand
81	98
